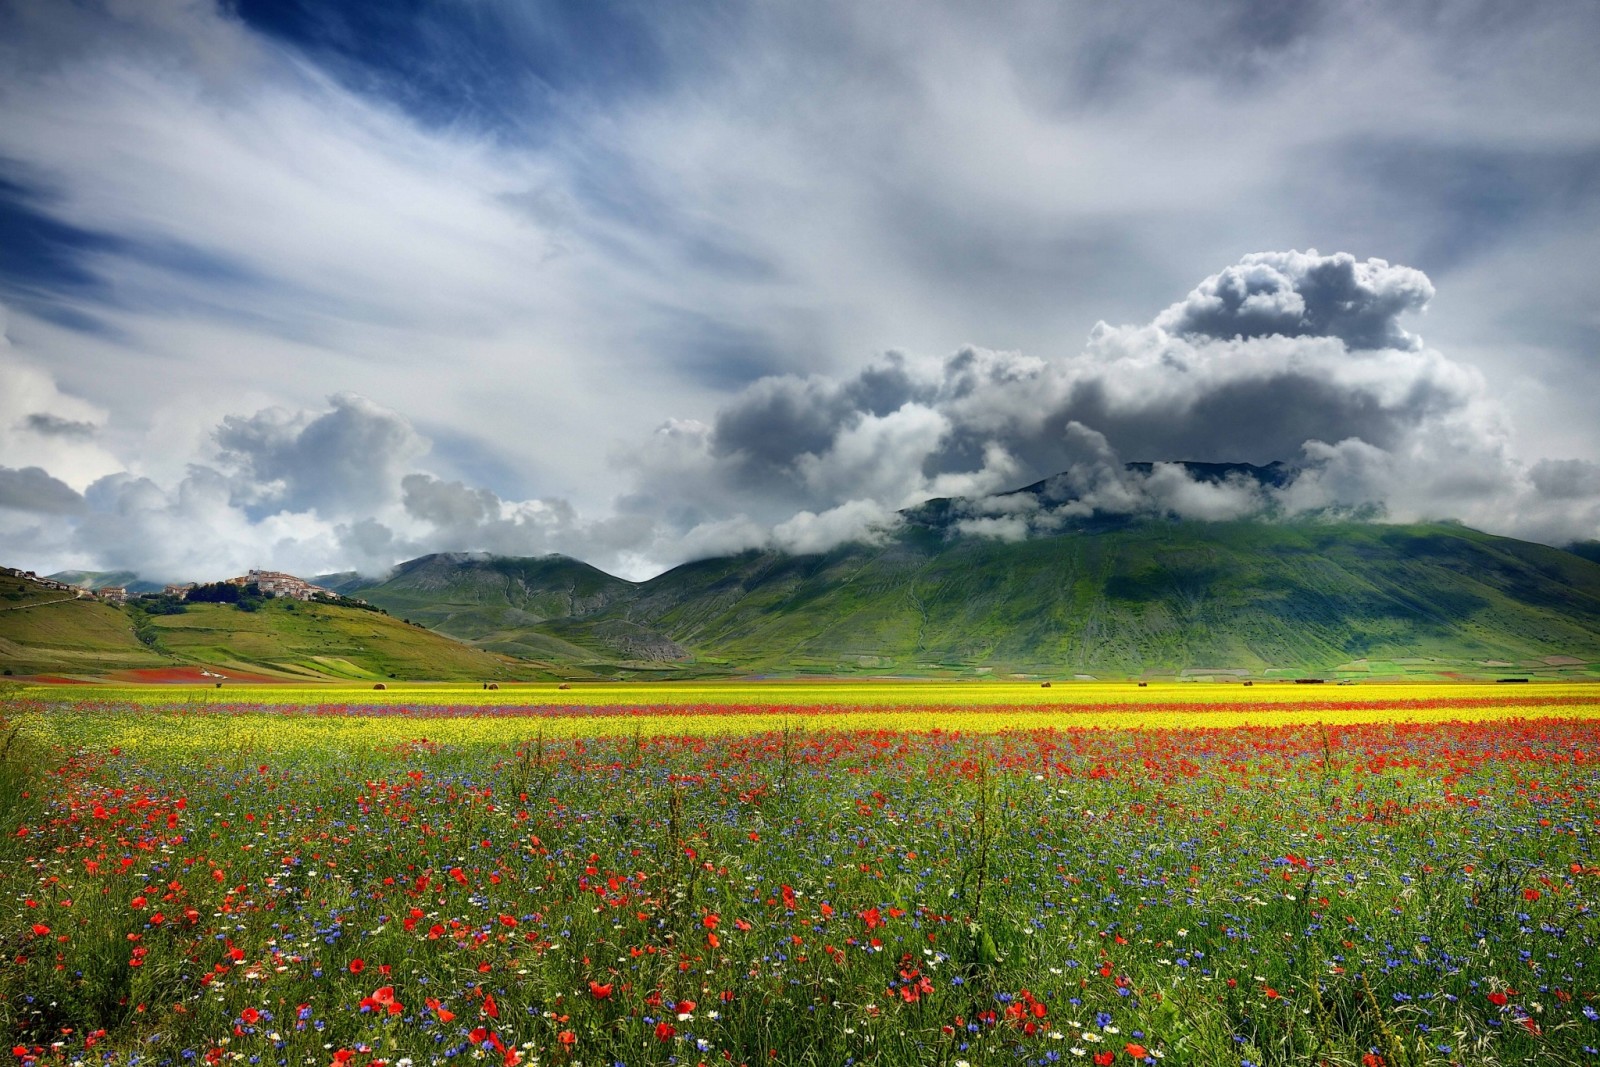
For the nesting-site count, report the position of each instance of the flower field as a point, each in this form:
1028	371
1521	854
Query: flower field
801	875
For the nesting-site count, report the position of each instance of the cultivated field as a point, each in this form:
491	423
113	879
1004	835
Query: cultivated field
802	874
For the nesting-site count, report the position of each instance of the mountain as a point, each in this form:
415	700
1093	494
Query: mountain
1115	598
100	579
500	604
44	631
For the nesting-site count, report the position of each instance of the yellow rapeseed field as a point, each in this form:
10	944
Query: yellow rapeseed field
263	719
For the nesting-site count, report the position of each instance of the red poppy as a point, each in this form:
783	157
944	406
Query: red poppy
1498	999
600	992
665	1031
490	1008
383	997
250	1016
40	929
1137	1051
357	966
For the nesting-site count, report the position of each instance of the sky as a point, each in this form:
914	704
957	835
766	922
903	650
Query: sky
321	287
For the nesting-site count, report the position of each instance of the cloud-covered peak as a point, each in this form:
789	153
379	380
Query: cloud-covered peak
1303	294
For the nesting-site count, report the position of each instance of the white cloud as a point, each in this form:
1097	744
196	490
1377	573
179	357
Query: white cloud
866	521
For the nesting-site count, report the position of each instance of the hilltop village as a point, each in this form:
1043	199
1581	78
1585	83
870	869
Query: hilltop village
266	583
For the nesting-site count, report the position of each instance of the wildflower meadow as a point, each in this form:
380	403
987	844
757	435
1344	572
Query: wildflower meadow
1178	874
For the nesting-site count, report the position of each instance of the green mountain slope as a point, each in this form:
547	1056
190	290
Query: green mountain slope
1149	596
1114	598
44	632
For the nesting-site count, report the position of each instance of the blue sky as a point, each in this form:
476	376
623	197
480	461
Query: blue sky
325	285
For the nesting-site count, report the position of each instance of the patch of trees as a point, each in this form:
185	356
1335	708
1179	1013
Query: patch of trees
159	604
244	597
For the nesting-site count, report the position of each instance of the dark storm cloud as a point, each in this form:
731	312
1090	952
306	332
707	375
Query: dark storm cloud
777	419
1252	421
32	489
48	425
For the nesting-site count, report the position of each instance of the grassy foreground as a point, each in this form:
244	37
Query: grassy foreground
802	875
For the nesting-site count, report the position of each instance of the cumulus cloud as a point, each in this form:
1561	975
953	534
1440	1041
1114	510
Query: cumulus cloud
1302	294
346	461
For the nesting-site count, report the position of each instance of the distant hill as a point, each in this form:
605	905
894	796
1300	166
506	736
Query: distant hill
503	605
43	632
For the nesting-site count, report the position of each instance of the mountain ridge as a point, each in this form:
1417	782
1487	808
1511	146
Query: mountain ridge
1138	596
